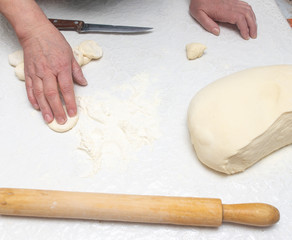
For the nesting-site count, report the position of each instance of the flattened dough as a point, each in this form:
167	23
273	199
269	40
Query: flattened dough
239	119
195	50
71	122
91	49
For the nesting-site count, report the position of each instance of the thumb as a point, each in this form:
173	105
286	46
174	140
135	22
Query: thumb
78	76
207	22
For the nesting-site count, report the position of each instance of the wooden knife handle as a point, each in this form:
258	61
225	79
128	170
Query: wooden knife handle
63	24
131	208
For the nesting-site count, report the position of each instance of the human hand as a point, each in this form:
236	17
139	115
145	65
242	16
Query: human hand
50	66
206	12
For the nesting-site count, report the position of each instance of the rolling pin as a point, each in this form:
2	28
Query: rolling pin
133	208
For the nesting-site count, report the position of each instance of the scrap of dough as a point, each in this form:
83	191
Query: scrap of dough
19	71
15	58
91	49
78	56
239	119
71	122
86	60
195	50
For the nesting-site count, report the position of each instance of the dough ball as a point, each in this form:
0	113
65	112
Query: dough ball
78	56
19	71
91	49
71	122
195	50
15	58
239	119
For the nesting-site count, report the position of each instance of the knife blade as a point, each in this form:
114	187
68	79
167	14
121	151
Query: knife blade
82	27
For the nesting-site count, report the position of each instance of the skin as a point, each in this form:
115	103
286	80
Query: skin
208	12
50	66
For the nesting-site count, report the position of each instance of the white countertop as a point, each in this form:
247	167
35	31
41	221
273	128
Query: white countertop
33	156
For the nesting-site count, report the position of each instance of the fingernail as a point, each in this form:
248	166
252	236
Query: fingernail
35	106
216	31
48	118
85	81
71	113
61	120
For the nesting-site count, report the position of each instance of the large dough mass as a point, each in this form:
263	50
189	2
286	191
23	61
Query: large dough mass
239	119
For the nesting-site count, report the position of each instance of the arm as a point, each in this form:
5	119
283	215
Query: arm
48	60
206	12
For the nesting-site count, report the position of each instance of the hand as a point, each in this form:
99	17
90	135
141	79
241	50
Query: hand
206	12
50	66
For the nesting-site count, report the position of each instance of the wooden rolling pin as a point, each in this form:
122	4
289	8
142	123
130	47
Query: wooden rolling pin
133	208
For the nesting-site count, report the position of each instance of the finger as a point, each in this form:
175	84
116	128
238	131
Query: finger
52	96
67	90
207	22
42	102
252	26
77	73
30	94
243	27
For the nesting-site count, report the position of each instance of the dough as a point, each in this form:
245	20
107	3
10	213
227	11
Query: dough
91	49
15	58
86	60
239	119
78	56
71	122
19	71
195	50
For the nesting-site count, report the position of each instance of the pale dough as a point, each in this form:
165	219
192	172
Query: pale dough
71	122
15	58
195	50
239	119
19	71
90	49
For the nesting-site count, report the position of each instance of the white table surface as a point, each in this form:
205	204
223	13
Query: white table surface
32	156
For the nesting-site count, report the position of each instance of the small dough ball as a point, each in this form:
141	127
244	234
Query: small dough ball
91	49
195	50
15	58
19	71
71	122
237	120
78	56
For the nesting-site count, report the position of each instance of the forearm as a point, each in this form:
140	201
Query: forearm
24	16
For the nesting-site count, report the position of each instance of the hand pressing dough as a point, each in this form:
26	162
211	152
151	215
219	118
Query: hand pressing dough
71	122
90	49
195	50
15	58
19	71
239	119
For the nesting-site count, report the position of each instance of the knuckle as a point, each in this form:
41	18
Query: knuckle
66	88
51	93
38	92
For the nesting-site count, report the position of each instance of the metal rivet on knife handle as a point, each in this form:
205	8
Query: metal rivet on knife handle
133	208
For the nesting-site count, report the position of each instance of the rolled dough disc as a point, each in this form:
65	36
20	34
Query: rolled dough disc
71	122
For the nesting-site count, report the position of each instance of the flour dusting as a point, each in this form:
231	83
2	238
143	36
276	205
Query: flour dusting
116	124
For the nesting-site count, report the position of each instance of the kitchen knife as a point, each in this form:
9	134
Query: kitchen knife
82	27
133	208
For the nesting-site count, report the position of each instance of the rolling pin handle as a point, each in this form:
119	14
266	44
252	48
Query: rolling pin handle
254	214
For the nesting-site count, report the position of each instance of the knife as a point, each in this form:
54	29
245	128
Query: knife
82	27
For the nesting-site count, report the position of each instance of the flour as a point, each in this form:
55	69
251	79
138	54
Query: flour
116	124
